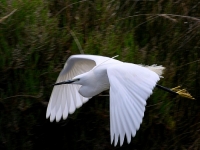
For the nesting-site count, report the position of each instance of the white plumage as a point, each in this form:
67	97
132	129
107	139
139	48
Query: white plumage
130	85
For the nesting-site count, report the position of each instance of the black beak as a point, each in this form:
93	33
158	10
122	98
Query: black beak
64	82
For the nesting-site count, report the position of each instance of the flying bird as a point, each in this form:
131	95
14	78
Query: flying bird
85	76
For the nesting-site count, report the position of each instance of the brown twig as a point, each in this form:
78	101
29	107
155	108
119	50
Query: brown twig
5	17
77	41
69	6
164	15
31	96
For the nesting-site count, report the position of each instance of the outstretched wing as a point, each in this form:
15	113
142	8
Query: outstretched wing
130	86
65	98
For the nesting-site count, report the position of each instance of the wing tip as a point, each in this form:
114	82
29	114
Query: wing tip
47	113
51	119
47	116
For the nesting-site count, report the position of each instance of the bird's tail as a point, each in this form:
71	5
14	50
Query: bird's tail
156	69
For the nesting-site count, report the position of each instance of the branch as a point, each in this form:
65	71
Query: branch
164	15
77	41
5	17
31	96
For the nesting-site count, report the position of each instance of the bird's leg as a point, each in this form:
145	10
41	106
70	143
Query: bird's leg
176	91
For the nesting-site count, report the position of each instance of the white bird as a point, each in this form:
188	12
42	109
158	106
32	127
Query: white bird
130	85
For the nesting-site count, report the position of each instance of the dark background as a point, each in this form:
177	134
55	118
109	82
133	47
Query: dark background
37	37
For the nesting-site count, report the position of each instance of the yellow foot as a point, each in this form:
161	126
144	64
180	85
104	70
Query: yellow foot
182	92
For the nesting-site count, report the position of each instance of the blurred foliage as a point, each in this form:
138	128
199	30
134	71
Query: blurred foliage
37	37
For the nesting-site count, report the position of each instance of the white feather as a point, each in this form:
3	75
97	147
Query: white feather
130	86
66	98
129	90
157	69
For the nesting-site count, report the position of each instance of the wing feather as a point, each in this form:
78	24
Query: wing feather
112	125
59	98
53	114
59	114
63	101
134	119
130	86
125	124
117	123
66	98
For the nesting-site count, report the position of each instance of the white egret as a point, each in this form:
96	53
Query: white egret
130	85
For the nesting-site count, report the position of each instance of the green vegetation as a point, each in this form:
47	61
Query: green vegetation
37	37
